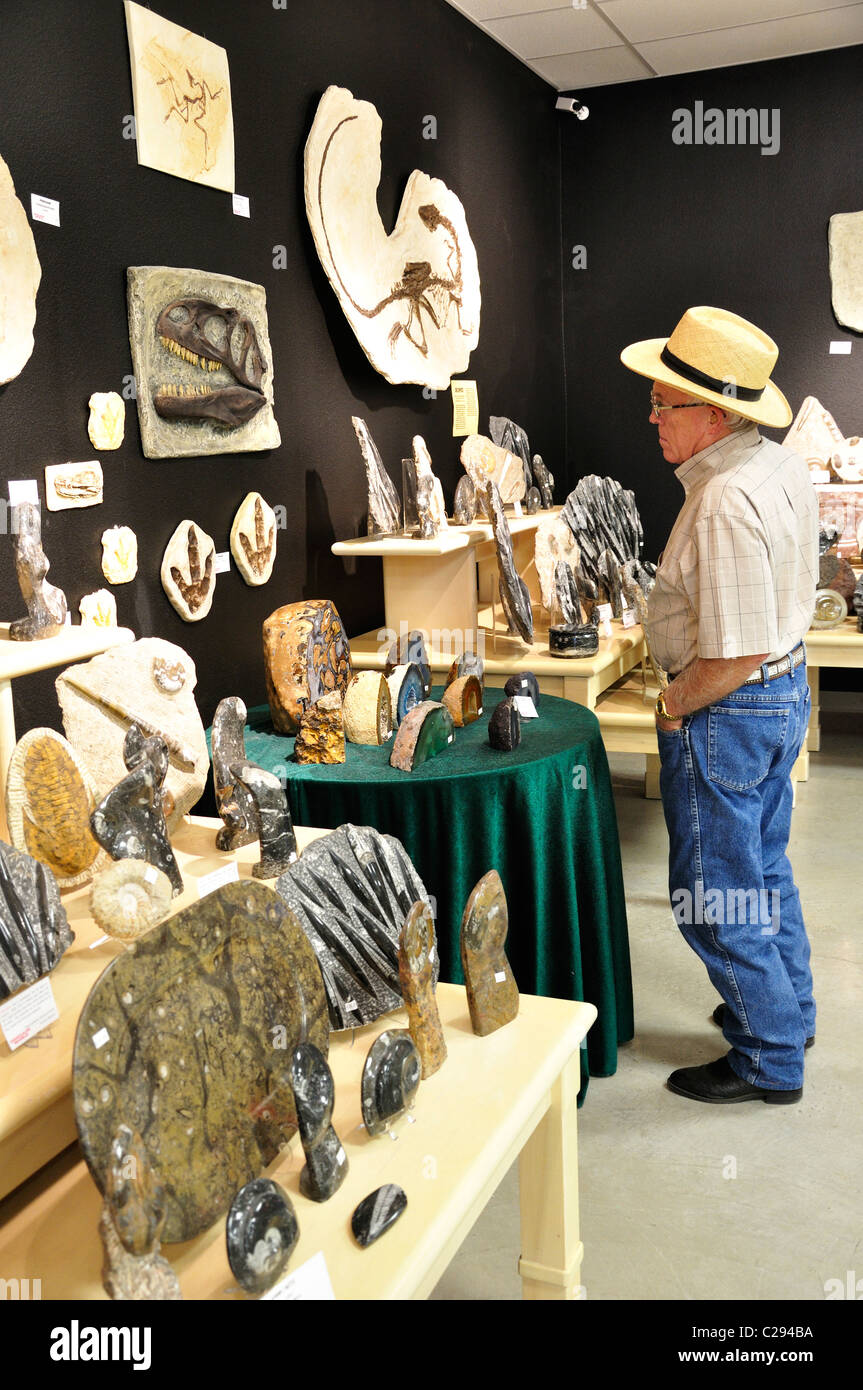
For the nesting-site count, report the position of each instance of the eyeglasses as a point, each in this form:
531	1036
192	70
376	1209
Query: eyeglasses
657	407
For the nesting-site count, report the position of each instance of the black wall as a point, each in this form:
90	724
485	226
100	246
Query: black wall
65	89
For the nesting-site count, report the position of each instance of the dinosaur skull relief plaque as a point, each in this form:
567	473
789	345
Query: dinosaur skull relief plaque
203	365
412	298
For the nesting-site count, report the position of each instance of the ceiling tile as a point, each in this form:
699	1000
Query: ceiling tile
641	20
556	31
483	10
568	71
753	42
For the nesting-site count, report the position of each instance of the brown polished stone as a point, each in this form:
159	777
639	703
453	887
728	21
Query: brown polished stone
201	1015
463	699
306	655
492	993
425	731
417	978
49	798
321	735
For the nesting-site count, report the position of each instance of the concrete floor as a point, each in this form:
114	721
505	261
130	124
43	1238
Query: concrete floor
687	1201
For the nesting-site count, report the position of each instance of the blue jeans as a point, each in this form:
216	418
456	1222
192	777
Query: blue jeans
726	793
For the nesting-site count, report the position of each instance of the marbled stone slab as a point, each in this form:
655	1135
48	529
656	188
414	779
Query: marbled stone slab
390	1081
130	897
70	485
34	930
406	689
465	504
49	800
202	1016
149	683
107	423
846	268
573	639
525	683
203	362
234	803
411	297
423	465
119	554
367	709
376	1213
485	463
272	818
504	727
98	609
131	1223
20	273
321	732
306	655
385	516
130	821
350	892
602	516
314	1095
417	976
188	571
46	604
261	1234
410	649
492	993
506	434
463	699
514	593
425	731
553	542
253	539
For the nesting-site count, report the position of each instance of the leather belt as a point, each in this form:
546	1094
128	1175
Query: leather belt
772	669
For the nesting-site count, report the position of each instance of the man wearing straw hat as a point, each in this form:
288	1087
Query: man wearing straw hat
734	596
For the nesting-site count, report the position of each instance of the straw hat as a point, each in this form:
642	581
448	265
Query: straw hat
718	357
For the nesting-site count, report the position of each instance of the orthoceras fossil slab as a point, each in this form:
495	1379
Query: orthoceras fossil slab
413	297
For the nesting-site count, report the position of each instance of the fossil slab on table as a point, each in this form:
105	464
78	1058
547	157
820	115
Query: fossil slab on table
416	973
49	799
195	1013
485	462
20	274
306	655
391	1078
492	993
129	822
34	930
412	298
846	268
261	1233
203	362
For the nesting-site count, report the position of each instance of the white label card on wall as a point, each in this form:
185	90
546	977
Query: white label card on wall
840	347
218	878
525	706
222	562
27	1013
23	490
241	205
465	408
309	1283
44	209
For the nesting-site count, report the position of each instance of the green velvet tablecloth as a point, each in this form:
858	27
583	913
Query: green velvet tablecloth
543	816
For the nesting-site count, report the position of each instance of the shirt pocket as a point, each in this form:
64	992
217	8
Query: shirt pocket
742	744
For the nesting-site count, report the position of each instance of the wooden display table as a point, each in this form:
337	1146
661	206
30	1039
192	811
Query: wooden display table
833	646
509	1095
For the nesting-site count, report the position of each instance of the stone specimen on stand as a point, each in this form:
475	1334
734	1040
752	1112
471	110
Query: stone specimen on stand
130	821
351	891
834	572
234	803
98	609
107	423
203	363
567	603
261	1234
49	799
72	485
425	731
130	897
504	727
467	664
34	930
554	542
830	609
417	950
410	649
119	554
485	463
385	513
271	818
523	684
492	994
411	297
463	699
514	593
602	516
846	268
321	731
192	1059
423	466
149	683
465	504
131	1223
573	639
506	434
188	571
406	689
20	273
253	539
817	438
544	480
376	1213
46	604
391	1078
314	1096
857	603
367	710
306	655
533	501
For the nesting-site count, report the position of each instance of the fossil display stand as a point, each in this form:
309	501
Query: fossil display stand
23	658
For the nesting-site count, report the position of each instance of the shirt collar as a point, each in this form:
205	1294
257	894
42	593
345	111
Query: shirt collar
717	457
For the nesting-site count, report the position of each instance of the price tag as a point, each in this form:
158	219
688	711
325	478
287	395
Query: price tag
27	1013
218	878
222	562
516	507
525	706
465	408
23	490
44	209
311	1282
241	205
841	347
603	612
151	873
629	617
99	1039
499	977
98	942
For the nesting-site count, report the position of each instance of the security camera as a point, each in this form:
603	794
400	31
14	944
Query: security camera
573	105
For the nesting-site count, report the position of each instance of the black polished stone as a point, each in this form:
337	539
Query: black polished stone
514	594
261	1233
602	516
465	504
573	639
566	593
544	480
314	1094
391	1077
376	1213
504	727
34	930
506	434
130	821
533	501
235	804
524	684
274	827
857	603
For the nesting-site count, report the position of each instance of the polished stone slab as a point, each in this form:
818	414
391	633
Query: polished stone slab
376	1213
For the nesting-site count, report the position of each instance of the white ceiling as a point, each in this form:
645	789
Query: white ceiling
589	43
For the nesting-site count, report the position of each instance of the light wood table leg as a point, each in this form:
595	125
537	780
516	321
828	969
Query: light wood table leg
813	674
652	764
551	1249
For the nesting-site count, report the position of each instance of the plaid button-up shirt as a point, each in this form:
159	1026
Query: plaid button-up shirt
738	574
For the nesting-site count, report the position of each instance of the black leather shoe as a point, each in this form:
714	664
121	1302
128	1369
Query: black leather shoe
717	1084
718	1017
